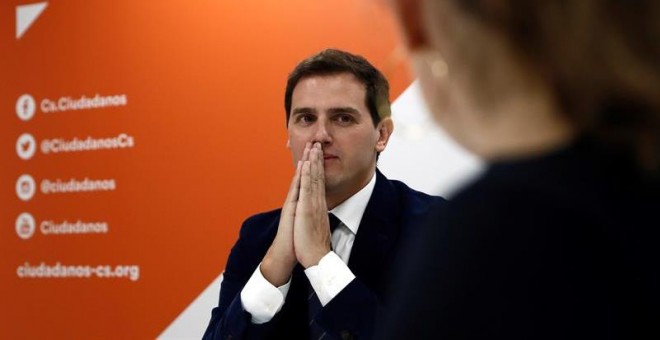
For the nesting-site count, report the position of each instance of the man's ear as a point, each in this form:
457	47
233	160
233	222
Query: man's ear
410	17
288	143
385	128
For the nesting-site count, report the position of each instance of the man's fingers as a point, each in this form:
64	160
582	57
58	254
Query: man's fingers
311	233
293	195
314	167
304	173
318	182
287	216
305	183
321	175
294	188
308	147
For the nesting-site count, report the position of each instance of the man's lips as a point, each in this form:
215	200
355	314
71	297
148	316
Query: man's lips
328	157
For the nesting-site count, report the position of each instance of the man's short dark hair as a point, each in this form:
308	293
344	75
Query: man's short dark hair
332	62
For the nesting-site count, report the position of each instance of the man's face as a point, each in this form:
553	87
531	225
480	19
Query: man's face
331	110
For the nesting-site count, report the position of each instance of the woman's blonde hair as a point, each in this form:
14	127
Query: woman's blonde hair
601	59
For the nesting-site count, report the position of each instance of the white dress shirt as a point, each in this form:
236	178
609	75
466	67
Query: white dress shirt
263	300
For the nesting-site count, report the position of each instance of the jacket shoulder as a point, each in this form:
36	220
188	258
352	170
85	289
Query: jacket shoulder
410	197
260	225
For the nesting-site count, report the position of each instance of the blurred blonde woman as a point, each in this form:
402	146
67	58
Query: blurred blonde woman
558	239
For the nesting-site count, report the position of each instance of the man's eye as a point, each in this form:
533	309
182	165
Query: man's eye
344	118
305	118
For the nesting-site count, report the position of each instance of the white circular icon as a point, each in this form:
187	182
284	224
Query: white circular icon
25	107
26	146
25	187
25	226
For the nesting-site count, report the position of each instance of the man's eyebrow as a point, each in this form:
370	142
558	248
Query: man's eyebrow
302	110
346	109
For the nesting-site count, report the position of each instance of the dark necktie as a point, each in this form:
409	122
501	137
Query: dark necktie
334	222
314	305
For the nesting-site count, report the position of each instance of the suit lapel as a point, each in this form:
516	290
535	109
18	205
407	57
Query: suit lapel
377	233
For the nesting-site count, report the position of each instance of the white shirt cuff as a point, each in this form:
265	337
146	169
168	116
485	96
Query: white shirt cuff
261	299
329	277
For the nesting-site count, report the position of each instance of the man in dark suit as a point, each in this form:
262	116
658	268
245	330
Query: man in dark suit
298	272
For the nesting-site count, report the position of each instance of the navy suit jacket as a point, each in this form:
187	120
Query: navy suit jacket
558	246
390	217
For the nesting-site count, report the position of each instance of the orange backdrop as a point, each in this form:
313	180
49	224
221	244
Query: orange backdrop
204	83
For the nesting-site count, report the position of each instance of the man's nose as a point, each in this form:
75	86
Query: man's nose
322	133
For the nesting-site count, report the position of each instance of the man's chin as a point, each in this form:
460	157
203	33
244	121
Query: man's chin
331	183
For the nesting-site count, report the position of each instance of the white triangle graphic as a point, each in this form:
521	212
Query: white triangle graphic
26	15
